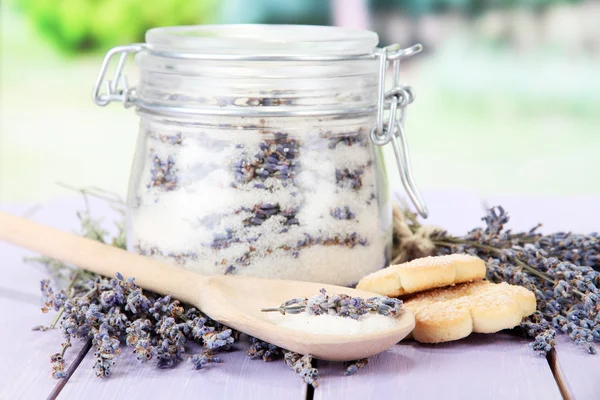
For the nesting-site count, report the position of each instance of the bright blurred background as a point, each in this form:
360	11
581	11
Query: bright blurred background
508	91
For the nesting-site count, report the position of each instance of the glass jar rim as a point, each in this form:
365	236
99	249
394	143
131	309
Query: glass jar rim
262	39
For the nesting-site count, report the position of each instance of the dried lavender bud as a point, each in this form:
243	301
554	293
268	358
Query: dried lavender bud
201	360
51	300
41	328
263	350
218	340
341	305
353	366
59	374
302	365
276	159
342	213
347	178
163	173
58	362
174	140
347	139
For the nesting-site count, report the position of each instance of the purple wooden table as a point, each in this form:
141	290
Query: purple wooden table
497	366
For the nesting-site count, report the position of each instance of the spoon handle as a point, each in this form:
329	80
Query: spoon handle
100	258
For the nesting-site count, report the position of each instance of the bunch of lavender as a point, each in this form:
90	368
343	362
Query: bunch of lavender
107	311
562	269
341	305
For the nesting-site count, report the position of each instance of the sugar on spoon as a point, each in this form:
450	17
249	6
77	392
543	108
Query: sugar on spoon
234	301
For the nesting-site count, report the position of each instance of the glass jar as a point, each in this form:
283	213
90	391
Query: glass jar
259	149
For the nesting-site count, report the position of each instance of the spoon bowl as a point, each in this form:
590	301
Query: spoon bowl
234	301
237	303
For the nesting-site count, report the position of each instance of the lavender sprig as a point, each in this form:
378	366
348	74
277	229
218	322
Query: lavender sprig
341	305
113	311
562	269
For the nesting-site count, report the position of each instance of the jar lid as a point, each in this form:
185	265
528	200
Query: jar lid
279	41
270	43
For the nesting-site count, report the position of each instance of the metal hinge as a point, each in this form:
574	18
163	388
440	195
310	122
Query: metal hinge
395	100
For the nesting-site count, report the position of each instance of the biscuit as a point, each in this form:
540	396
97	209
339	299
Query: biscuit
452	313
423	274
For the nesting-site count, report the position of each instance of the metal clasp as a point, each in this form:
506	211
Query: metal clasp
117	89
396	100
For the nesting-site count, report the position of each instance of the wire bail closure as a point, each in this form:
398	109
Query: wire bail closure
396	100
117	89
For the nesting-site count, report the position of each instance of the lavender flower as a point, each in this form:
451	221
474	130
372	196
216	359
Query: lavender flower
218	340
199	361
561	269
353	366
302	365
276	159
341	305
263	350
349	178
163	173
342	213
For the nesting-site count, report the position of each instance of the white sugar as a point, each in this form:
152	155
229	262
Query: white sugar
335	325
205	221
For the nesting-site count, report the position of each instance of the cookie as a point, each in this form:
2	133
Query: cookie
452	313
423	274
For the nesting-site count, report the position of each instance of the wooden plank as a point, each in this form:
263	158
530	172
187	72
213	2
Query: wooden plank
238	377
21	280
577	214
26	370
512	372
579	370
452	210
497	366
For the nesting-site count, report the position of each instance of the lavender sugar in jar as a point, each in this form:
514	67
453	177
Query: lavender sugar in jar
259	150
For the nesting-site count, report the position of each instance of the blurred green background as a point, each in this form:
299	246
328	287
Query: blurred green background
508	92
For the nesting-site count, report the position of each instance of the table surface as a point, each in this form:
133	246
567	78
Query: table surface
498	366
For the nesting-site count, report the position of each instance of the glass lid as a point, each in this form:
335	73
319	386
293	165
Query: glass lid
262	40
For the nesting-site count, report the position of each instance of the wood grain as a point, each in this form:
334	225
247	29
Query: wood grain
557	213
579	370
21	280
497	366
488	366
25	372
238	377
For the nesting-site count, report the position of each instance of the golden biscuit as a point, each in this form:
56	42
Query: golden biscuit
453	313
423	274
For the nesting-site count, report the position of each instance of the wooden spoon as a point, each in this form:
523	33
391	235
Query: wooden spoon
231	300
